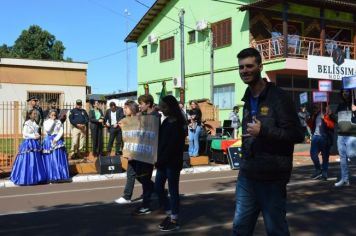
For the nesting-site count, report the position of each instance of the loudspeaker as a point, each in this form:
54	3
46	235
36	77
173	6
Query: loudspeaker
108	165
218	156
186	160
233	156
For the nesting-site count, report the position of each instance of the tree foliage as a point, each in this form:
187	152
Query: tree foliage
35	43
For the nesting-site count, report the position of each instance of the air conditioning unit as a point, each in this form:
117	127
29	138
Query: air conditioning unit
152	39
177	82
201	25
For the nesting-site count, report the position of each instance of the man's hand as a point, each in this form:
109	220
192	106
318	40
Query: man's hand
353	107
254	128
37	136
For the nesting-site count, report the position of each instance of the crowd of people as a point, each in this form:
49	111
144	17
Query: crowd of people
271	126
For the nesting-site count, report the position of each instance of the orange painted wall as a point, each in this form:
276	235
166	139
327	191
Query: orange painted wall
43	76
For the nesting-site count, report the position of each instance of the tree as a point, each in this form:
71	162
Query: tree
5	51
35	43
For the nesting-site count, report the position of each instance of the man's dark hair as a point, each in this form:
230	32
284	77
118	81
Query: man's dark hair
112	104
235	108
250	52
52	100
148	99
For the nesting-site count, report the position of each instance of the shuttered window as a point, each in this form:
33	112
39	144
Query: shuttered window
166	48
221	33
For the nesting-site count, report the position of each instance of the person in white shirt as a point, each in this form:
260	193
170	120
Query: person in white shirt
54	151
29	166
112	118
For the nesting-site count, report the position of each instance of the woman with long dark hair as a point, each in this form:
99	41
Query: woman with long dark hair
29	166
170	160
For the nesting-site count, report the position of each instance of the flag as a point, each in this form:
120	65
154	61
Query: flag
163	91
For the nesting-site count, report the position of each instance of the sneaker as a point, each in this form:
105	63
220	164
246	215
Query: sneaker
324	178
122	200
342	183
171	226
164	222
141	211
316	175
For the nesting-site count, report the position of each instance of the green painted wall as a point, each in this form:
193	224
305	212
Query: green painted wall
197	55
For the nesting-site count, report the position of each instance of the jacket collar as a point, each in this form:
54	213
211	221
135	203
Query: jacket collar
263	94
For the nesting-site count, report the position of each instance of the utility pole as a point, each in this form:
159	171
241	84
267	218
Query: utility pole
182	60
211	65
127	14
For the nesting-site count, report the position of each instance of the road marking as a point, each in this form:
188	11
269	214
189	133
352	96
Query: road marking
123	186
103	188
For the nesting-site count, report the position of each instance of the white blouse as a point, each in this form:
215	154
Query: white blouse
53	127
30	128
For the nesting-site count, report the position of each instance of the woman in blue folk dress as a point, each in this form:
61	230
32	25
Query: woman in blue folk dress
54	151
29	167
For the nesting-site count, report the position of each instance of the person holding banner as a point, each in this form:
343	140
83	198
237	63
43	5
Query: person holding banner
170	160
140	135
346	135
304	115
131	108
322	126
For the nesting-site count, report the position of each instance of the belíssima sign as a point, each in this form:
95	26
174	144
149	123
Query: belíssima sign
326	68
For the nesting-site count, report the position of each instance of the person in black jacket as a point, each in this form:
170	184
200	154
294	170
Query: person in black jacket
112	118
270	128
170	160
79	119
96	119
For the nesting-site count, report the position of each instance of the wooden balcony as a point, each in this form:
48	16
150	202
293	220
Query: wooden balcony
300	47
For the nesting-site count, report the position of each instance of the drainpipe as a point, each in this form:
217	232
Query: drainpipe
211	66
182	59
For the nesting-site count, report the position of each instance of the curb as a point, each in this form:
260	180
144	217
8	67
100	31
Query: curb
97	177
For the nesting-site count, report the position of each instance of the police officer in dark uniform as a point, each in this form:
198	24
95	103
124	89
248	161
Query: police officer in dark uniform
79	119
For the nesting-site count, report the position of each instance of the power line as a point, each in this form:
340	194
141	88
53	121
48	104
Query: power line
110	54
110	10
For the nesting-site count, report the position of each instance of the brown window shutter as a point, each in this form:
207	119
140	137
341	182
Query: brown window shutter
221	33
167	49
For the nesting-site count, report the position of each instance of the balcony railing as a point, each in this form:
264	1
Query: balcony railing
300	47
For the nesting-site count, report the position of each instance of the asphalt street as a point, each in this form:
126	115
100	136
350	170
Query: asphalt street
207	206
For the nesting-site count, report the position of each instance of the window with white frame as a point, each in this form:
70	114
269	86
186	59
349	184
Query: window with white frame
224	96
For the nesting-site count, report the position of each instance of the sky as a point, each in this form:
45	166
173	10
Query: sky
92	31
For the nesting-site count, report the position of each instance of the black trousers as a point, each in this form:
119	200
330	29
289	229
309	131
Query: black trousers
130	181
115	133
143	175
97	139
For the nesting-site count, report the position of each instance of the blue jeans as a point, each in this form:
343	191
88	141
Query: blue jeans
193	136
320	144
172	175
253	197
346	146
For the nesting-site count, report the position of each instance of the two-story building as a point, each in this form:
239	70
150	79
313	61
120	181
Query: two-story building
286	33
